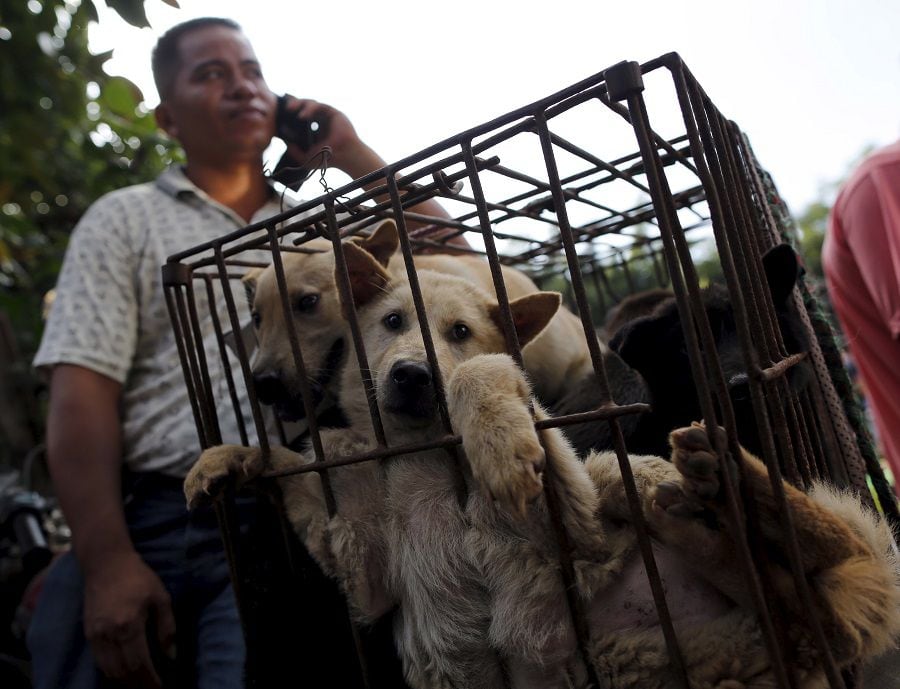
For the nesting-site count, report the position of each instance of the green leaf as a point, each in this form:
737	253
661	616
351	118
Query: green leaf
103	57
49	167
91	10
120	96
132	11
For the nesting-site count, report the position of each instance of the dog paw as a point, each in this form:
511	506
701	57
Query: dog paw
218	465
698	466
511	470
489	397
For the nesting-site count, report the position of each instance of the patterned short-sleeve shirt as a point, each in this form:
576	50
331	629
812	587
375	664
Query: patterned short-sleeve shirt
110	314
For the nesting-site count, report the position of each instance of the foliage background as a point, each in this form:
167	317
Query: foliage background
68	134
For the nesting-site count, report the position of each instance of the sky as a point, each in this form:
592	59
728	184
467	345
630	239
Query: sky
812	83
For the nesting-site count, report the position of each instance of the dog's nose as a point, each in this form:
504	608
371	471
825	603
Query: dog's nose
269	388
411	376
410	391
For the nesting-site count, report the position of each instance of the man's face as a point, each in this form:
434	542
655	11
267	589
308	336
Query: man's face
218	106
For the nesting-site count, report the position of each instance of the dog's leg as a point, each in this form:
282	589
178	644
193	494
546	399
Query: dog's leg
348	546
218	465
487	397
512	538
845	551
303	498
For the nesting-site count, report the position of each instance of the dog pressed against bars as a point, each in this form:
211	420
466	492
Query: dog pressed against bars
554	359
476	584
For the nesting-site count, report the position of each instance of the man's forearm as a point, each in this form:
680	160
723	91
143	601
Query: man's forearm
84	452
365	160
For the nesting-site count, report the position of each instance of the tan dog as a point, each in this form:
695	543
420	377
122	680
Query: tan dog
389	522
477	585
554	360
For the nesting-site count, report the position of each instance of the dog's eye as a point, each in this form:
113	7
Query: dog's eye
461	331
307	302
393	321
257	319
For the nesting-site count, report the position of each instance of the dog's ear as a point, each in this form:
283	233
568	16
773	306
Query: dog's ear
382	243
368	278
639	341
530	314
783	268
249	280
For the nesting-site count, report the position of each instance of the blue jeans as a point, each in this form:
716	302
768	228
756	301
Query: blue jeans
185	550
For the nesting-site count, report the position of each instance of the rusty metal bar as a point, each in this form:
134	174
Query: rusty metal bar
704	149
342	278
598	289
206	405
446	441
605	411
202	364
758	394
302	376
235	323
567	568
177	328
419	302
633	499
784	437
223	354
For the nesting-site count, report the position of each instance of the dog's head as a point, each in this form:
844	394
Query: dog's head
314	310
463	320
655	346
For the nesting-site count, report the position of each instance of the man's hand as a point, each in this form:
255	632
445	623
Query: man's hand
353	156
122	594
120	599
338	134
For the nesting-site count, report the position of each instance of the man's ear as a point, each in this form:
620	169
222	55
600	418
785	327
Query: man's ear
530	314
383	242
368	278
249	281
782	267
164	120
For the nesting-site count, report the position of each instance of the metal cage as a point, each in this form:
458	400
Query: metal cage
599	190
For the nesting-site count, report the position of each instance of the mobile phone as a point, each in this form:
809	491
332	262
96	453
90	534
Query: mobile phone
302	131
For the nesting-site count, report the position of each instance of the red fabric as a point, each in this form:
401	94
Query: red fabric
861	258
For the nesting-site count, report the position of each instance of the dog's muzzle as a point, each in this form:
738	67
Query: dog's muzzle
410	390
271	391
288	402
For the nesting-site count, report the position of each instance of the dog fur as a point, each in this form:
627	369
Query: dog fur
476	584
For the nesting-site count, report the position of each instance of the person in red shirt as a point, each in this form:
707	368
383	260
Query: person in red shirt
861	259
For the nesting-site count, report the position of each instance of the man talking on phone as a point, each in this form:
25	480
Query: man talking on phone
145	579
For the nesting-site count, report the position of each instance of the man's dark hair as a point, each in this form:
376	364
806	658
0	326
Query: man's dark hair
166	57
